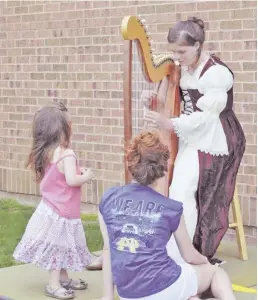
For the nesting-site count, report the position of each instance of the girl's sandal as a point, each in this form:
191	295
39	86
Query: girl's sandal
74	284
60	293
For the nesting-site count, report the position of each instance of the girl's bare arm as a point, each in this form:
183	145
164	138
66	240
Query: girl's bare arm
71	172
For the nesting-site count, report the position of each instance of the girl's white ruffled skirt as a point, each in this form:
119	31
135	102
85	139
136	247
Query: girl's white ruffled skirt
53	242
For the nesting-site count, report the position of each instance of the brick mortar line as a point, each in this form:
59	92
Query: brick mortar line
98	53
115	26
129	6
117	16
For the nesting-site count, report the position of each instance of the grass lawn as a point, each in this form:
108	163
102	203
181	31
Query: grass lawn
13	221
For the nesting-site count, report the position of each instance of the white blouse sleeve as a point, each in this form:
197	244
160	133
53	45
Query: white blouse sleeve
203	130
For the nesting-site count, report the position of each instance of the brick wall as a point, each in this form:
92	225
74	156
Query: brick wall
73	51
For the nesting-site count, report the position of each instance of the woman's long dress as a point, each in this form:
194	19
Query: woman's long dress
211	146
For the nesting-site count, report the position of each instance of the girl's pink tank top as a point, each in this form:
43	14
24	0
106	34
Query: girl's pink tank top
56	193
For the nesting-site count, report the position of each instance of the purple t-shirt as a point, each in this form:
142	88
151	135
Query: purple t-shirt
140	222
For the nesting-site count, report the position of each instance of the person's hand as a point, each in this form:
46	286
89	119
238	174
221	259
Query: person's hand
148	125
149	99
155	119
87	173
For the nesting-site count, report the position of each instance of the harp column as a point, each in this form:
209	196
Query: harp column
127	99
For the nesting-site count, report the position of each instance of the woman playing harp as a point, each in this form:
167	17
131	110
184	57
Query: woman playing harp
211	140
143	73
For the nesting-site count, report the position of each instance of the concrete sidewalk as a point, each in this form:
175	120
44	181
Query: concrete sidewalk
26	282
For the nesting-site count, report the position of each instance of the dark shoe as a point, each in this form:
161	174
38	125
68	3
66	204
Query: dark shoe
217	262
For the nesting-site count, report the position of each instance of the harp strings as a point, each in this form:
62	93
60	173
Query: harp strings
141	90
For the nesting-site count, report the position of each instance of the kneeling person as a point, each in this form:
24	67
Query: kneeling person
136	224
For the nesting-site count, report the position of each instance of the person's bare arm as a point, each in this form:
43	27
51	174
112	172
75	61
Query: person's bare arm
186	248
70	170
108	291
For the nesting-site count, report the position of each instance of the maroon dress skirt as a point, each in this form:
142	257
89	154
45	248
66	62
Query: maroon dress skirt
217	177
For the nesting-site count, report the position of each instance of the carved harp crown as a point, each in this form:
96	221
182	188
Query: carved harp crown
148	78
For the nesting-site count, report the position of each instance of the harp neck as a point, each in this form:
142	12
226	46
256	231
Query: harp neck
156	66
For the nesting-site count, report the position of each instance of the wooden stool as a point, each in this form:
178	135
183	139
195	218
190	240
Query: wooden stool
238	226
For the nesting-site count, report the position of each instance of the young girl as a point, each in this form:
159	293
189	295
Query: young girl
137	222
54	238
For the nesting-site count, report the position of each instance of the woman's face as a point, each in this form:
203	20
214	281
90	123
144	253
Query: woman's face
185	55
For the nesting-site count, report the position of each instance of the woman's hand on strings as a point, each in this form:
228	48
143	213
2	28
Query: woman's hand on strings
149	99
148	125
156	120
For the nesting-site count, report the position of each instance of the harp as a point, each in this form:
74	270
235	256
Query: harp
148	78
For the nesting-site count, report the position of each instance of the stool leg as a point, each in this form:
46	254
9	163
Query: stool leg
240	235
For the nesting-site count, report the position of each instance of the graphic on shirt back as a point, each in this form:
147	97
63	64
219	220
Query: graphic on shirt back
134	223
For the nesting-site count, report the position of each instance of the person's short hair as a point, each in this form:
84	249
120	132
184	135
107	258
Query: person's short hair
147	157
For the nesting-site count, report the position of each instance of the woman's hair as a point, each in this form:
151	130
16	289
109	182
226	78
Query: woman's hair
187	33
147	157
51	128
